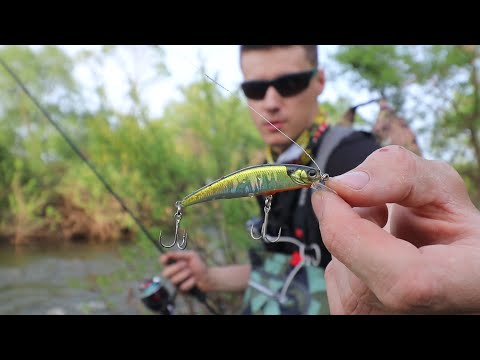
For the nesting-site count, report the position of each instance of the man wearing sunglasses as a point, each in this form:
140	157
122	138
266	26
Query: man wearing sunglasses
282	84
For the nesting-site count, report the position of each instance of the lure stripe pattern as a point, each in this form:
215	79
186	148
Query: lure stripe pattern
260	179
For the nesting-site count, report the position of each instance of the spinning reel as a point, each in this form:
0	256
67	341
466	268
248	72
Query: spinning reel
156	296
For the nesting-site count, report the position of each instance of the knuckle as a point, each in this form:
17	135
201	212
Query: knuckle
449	172
402	158
400	162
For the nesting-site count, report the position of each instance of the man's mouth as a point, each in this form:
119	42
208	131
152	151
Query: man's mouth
274	126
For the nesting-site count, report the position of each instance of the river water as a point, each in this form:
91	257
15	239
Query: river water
64	279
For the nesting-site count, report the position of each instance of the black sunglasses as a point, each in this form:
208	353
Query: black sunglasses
286	85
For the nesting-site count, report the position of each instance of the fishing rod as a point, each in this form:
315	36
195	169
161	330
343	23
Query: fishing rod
154	293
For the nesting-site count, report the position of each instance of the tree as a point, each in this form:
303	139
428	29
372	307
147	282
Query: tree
438	86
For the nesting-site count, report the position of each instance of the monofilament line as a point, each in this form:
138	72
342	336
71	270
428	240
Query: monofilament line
262	116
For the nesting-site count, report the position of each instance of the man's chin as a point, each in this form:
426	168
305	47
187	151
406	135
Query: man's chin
276	139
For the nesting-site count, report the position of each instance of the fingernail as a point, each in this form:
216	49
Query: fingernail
356	180
318	203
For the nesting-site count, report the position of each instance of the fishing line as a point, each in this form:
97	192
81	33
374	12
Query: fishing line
254	110
195	292
81	155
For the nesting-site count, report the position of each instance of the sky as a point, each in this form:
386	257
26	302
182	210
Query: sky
183	63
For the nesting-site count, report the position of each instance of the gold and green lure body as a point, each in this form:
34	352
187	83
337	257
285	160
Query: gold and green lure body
265	179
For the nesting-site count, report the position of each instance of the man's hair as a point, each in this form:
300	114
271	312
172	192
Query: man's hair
310	50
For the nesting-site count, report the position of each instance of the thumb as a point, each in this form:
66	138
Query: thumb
394	174
371	253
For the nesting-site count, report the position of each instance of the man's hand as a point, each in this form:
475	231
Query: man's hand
429	263
185	269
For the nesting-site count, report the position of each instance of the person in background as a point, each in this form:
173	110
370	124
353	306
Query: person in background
281	83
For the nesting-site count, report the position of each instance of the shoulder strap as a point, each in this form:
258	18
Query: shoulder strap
331	139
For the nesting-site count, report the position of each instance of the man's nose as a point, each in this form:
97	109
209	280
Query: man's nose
272	98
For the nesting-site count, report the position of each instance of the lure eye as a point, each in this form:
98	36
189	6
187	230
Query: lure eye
312	173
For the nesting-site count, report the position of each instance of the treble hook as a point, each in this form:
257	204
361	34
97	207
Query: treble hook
264	236
178	217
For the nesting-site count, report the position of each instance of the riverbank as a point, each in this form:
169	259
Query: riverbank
60	220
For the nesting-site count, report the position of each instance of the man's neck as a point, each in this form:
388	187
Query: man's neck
278	149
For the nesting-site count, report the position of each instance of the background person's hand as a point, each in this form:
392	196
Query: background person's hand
431	260
187	270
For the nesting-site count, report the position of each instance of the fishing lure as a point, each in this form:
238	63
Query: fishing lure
255	180
265	180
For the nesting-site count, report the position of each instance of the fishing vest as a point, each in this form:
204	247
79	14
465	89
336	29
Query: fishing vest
280	284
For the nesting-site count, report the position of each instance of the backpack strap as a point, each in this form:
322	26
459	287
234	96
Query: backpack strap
335	135
330	141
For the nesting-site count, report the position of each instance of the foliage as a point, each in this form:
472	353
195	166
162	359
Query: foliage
153	162
149	162
436	87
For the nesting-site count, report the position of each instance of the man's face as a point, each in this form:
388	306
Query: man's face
291	114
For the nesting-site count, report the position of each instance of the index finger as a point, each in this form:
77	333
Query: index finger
174	256
371	253
393	174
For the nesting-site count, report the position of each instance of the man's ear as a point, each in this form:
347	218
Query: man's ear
319	81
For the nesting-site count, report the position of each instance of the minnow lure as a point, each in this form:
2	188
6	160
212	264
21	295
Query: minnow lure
265	180
255	180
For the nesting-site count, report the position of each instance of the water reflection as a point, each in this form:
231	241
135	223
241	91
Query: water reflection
61	279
